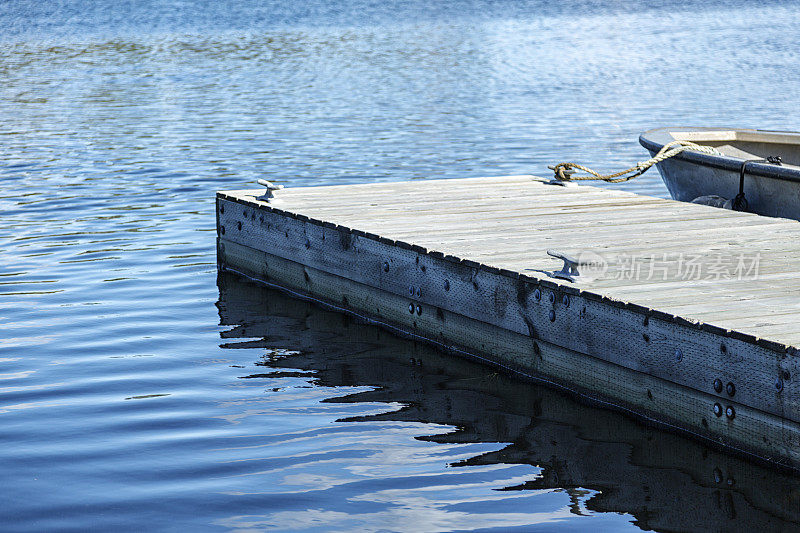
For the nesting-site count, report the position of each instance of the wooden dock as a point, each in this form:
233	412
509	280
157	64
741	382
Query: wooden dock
681	314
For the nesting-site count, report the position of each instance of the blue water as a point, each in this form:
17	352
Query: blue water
140	391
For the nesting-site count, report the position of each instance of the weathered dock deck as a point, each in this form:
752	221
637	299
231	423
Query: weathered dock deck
686	316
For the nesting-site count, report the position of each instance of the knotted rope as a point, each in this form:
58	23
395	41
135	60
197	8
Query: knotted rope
563	171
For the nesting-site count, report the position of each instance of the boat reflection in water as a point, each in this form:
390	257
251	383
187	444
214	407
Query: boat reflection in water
604	461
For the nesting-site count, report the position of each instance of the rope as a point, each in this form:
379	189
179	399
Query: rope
739	201
563	171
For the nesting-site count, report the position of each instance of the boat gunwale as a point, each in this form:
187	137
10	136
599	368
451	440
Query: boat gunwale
724	162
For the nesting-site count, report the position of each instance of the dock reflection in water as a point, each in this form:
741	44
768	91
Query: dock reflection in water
595	460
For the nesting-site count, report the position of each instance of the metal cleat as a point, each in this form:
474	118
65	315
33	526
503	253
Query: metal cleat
267	196
570	269
562	182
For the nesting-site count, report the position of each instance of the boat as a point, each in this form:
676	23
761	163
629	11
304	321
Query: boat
753	170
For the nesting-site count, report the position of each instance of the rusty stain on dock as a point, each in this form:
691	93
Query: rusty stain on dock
463	263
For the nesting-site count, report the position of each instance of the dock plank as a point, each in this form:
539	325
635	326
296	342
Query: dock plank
517	214
684	222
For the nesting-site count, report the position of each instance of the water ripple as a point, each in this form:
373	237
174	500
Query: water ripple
137	394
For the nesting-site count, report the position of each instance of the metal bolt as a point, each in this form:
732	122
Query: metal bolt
447	285
222	229
308	243
222	209
779	384
411	291
418	292
718	385
386	267
239	225
411	308
678	355
717	410
730	412
552	297
565	300
419	310
730	388
537	294
552	316
717	475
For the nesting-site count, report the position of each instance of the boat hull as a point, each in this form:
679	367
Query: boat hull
770	190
